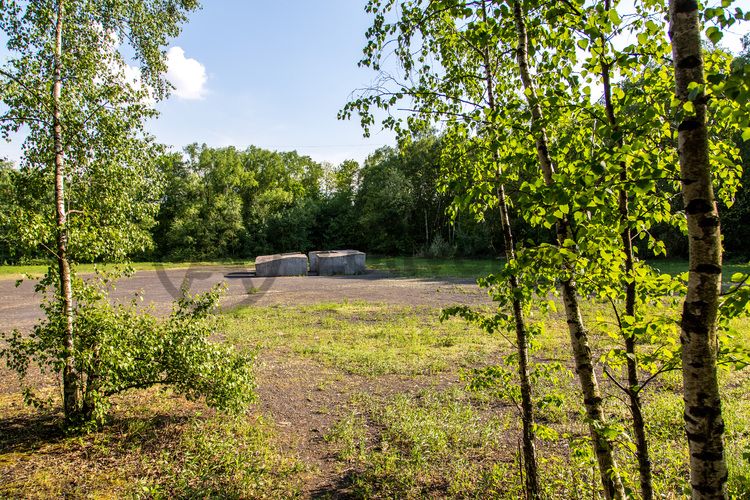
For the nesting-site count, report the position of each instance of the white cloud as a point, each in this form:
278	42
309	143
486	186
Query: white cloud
186	74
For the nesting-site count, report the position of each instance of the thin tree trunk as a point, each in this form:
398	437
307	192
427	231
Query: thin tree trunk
639	427
522	343
70	377
703	420
522	334
608	471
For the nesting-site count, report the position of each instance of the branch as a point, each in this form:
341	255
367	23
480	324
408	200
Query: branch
736	288
663	369
617	314
623	389
34	92
139	385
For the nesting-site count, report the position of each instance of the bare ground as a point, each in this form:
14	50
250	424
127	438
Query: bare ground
302	397
19	306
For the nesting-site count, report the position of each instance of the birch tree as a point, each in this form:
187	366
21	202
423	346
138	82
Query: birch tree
67	86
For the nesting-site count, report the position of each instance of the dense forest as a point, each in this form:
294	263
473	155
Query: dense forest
224	203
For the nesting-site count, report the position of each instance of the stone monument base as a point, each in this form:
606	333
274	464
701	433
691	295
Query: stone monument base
332	262
285	264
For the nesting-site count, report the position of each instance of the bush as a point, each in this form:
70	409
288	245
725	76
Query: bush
440	249
118	347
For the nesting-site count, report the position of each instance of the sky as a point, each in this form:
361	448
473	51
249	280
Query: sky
265	73
272	74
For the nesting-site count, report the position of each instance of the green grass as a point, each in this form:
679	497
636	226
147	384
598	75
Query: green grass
420	436
674	267
408	267
156	445
421	267
456	443
15	272
224	457
364	338
434	441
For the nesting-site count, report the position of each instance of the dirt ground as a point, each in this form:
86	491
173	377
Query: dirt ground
303	398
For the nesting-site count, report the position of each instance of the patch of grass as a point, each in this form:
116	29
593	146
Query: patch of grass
736	413
675	267
422	267
223	457
157	445
427	445
16	272
441	442
364	338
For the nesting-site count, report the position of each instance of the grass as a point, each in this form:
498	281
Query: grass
408	267
364	338
156	445
420	267
16	272
674	267
428	443
452	442
394	418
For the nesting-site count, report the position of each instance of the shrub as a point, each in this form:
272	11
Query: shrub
439	248
119	347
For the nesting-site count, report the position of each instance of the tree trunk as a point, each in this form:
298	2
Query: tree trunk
610	477
522	334
522	343
71	403
633	392
703	420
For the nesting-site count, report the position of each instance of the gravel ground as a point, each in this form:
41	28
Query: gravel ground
19	306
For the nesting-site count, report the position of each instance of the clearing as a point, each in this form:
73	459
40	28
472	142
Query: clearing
362	394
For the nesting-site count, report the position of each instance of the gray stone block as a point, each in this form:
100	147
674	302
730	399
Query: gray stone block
285	264
347	262
314	258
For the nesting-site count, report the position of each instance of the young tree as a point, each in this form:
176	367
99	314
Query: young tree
459	93
703	420
584	361
65	83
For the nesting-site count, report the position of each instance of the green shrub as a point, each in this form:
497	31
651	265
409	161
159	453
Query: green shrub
118	347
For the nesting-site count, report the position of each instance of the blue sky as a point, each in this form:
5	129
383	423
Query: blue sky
273	74
277	73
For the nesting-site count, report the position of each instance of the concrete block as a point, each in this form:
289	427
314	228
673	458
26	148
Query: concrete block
285	264
313	257
347	262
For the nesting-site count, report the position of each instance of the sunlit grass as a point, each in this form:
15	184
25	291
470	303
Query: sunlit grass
364	338
413	440
421	267
16	272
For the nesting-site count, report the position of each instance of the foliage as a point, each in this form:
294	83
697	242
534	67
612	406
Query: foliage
225	458
608	165
111	191
119	347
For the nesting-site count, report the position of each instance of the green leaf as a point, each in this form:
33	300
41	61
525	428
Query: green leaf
714	34
614	17
738	277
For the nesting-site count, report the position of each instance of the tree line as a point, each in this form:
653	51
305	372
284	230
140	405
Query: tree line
225	203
